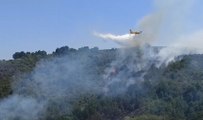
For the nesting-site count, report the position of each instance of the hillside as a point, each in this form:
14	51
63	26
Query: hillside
93	84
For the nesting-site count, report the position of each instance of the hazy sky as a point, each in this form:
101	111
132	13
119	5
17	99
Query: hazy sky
30	25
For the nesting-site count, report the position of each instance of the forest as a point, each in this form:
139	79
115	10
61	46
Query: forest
93	84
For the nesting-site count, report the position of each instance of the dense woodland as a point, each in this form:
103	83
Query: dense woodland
174	92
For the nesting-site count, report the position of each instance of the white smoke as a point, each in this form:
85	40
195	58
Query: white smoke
185	45
128	69
66	78
20	107
58	82
167	22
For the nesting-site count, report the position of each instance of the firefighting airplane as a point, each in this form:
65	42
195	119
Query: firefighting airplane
135	33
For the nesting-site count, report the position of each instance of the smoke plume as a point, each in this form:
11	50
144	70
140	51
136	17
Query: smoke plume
185	45
62	80
167	24
128	69
56	82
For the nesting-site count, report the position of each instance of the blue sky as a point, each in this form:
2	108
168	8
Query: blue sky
30	25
